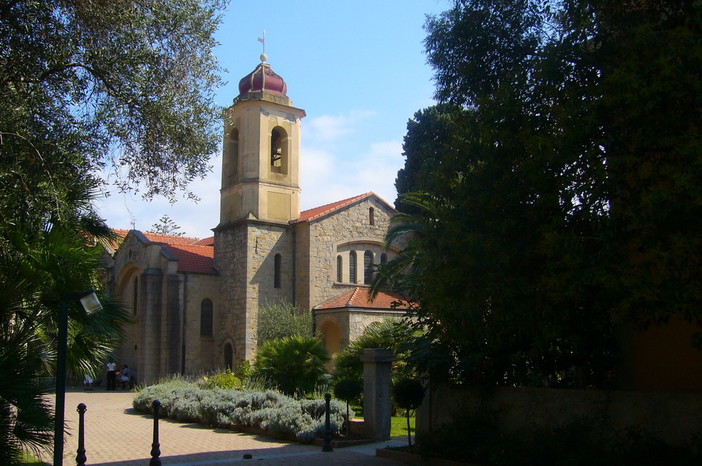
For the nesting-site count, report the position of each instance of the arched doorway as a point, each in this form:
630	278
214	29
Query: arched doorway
331	332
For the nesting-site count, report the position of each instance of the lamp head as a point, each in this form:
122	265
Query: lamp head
91	303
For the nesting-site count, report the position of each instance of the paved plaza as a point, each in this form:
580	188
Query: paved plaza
115	434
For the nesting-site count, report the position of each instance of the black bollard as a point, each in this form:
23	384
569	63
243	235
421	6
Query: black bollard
327	426
155	451
80	457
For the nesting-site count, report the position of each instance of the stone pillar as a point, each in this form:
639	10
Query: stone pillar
150	292
377	399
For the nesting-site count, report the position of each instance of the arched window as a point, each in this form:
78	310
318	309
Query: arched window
339	269
383	258
367	267
352	266
233	155
371	216
228	356
135	296
279	151
206	318
276	273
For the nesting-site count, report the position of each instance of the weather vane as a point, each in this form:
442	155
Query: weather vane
262	40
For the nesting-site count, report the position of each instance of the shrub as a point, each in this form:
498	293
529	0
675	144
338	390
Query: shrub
281	319
166	393
348	390
227	380
389	334
228	408
408	395
294	363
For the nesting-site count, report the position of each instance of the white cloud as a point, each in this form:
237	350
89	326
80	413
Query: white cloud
328	128
327	175
127	210
378	168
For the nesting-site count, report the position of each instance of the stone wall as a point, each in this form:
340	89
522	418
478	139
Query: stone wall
201	352
265	241
360	320
346	229
673	418
351	324
141	349
230	260
245	257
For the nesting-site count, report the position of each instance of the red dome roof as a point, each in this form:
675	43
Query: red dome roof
263	78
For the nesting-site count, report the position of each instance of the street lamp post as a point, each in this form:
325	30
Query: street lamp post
91	304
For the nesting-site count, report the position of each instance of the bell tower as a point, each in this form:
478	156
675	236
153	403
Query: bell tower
261	153
254	243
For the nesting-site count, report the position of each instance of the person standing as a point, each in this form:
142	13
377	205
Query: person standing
111	376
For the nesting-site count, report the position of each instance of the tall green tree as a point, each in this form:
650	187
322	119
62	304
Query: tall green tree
281	319
84	86
132	82
567	205
431	135
166	226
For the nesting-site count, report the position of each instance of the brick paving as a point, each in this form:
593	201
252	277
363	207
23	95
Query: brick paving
115	434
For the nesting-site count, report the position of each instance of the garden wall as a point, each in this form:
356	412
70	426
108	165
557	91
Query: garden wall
673	418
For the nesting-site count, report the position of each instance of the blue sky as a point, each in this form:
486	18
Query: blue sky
359	71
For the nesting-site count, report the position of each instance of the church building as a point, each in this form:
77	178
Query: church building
194	302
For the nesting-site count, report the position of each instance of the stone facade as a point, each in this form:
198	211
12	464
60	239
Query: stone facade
163	336
338	235
194	303
342	326
245	255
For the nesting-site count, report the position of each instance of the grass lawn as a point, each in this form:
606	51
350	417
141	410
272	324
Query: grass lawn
399	426
30	458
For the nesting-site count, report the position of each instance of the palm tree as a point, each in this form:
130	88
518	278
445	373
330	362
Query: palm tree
294	363
394	275
36	269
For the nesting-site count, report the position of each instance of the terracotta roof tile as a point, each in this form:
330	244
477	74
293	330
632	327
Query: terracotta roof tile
360	297
209	241
119	232
194	259
169	239
312	214
194	255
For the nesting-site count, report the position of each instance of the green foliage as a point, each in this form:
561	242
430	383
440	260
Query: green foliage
224	380
166	226
407	393
431	135
243	371
268	410
280	319
128	84
388	334
25	415
36	272
543	185
83	85
295	364
348	390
